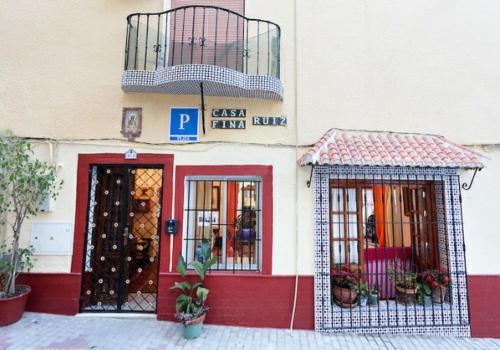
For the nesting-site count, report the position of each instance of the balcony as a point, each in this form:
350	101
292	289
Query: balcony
192	49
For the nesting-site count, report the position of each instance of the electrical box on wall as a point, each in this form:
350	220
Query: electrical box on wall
45	204
52	238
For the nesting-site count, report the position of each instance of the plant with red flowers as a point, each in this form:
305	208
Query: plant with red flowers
439	282
436	278
344	278
344	286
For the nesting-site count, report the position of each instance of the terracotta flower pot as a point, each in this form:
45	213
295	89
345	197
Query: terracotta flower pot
406	296
345	297
12	308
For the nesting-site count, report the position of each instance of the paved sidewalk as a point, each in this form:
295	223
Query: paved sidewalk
42	331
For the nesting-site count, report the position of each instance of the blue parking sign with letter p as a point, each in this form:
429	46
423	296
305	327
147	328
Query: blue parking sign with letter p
184	124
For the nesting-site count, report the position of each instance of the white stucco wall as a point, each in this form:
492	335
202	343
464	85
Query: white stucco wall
481	209
421	66
282	160
61	64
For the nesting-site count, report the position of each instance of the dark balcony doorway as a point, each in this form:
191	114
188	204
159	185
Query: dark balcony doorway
120	265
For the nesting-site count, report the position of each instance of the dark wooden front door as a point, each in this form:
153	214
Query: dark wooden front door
120	267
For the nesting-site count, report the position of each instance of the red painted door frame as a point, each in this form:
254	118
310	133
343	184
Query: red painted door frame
82	193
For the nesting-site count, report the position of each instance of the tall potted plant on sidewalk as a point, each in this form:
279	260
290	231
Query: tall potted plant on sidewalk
190	304
24	181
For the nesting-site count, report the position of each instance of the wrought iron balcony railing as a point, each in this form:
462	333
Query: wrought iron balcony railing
203	35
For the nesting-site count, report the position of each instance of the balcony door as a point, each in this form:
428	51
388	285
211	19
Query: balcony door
207	35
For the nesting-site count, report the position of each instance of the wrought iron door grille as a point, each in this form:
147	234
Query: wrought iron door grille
391	254
226	215
122	243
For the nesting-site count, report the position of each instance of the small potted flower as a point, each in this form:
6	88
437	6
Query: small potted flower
362	290
344	284
373	296
439	282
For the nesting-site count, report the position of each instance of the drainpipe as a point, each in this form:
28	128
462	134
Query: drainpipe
295	107
167	5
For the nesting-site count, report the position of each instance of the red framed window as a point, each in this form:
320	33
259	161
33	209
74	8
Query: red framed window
228	208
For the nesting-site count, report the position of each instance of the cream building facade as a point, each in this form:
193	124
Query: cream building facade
424	67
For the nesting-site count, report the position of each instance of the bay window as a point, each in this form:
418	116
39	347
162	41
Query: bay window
375	224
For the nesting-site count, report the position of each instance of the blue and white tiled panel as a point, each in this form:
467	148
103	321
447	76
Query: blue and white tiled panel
322	295
455	331
441	222
453	316
217	81
391	314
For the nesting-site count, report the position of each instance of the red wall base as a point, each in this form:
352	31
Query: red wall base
484	305
240	300
248	300
55	293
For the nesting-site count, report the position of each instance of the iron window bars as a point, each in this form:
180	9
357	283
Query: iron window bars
202	35
420	213
226	214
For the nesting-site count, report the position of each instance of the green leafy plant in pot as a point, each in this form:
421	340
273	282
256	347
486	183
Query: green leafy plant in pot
373	296
24	181
406	288
190	304
424	294
245	224
405	282
362	290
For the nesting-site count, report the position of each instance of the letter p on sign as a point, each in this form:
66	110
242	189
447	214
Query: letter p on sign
184	118
183	124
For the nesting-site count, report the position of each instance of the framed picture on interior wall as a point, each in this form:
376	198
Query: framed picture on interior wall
131	122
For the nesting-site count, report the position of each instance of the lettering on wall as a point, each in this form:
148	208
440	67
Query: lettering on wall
228	124
269	121
229	113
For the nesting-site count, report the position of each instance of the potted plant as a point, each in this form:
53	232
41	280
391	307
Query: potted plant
424	294
24	181
406	288
405	282
438	281
373	297
344	284
362	290
190	304
245	224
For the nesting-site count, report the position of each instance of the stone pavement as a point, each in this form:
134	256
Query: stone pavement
42	331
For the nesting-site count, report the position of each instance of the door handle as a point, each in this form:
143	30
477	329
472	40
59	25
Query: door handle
125	236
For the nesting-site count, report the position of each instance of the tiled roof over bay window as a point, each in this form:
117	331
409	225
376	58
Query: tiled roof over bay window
371	148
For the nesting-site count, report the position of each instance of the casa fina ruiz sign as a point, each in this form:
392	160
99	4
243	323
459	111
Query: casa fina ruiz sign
235	119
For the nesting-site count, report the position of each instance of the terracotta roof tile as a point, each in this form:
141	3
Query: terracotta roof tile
342	147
